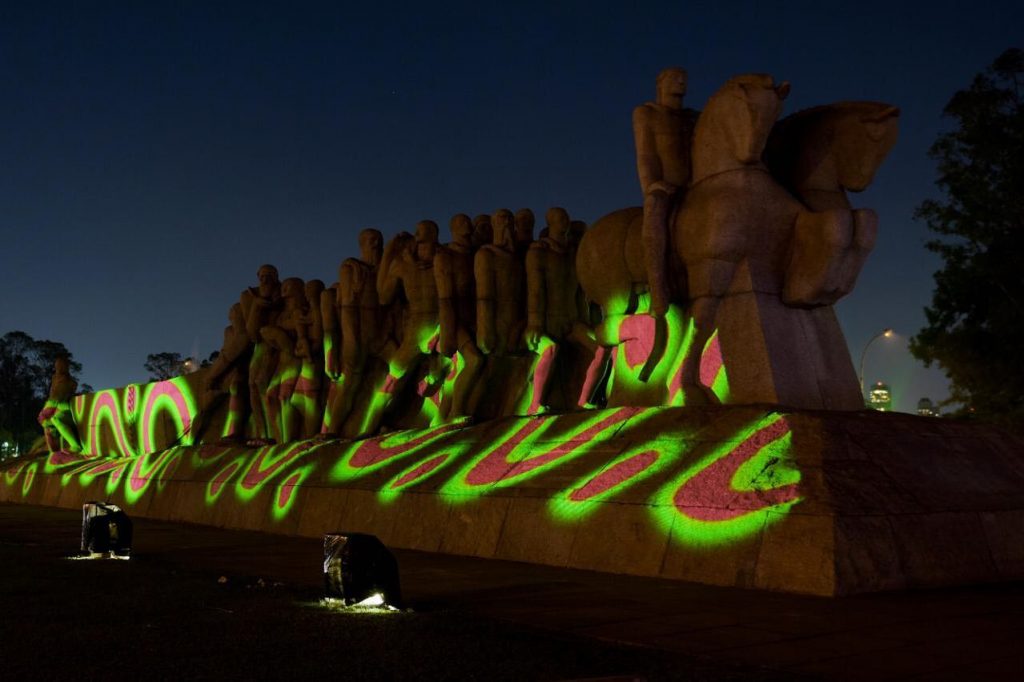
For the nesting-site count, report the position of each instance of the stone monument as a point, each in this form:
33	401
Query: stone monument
665	393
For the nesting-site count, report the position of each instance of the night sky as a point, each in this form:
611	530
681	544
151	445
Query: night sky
153	156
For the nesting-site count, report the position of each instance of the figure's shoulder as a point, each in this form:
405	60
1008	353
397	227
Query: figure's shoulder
645	111
443	259
443	254
485	254
354	264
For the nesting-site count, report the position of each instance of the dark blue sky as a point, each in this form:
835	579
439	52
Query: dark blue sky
155	154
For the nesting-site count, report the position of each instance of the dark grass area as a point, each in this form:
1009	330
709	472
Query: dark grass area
153	618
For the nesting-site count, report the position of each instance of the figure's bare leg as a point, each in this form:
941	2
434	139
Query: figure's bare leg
66	428
258	408
654	233
709	280
473	361
597	368
310	406
52	440
543	368
274	412
238	409
261	372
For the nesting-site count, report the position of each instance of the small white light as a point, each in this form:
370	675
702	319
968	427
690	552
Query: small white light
375	599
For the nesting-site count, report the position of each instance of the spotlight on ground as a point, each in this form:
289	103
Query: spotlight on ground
106	531
360	571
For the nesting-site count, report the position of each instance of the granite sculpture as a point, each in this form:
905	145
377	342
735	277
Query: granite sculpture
718	289
543	399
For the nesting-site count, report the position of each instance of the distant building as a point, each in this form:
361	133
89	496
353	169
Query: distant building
880	398
925	408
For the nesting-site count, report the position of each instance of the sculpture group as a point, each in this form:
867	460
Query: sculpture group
744	241
414	327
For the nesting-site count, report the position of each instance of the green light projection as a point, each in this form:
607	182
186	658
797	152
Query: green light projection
714	482
731	492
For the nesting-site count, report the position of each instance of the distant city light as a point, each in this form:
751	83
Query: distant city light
925	408
880	398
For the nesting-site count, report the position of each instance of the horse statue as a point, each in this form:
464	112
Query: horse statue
819	155
768	244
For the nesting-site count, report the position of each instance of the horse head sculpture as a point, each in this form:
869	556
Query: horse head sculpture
732	130
821	153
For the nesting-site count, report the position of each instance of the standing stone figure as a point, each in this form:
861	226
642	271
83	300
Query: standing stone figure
456	290
287	338
260	307
360	317
307	397
663	131
228	372
499	285
55	417
555	309
409	263
482	231
524	231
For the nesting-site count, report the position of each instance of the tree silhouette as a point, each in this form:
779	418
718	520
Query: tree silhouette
975	327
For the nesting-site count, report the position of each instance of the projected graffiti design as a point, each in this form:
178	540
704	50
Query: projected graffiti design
704	484
126	422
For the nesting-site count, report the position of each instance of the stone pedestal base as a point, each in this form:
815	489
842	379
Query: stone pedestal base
816	502
789	356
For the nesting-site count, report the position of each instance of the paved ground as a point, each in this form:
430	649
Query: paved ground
164	614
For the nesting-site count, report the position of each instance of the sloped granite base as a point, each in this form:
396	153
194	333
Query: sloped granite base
823	503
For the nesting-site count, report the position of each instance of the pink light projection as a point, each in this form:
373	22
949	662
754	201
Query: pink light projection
614	476
709	494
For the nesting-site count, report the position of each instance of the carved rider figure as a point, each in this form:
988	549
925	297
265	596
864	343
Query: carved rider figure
663	131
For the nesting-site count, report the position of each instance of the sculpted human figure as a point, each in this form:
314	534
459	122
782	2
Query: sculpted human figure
260	308
555	309
482	231
228	372
456	290
500	277
408	264
359	311
524	231
663	131
307	397
55	417
287	336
